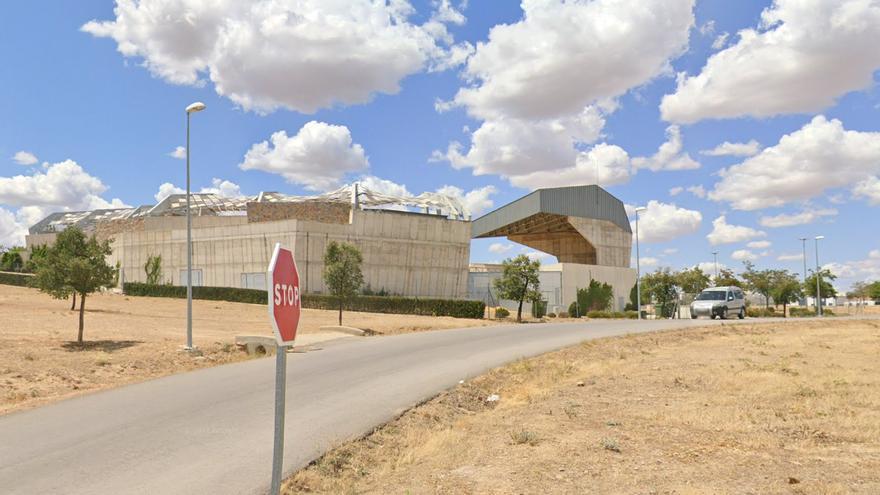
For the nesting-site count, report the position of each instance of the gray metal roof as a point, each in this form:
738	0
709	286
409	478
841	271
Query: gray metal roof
577	201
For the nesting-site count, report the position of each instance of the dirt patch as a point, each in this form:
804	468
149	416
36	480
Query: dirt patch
131	339
747	409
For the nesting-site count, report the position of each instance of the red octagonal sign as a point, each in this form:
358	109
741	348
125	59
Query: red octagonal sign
284	295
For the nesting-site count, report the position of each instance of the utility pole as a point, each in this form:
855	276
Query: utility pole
638	267
818	278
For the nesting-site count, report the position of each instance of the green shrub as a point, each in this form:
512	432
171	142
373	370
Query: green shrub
539	308
599	314
631	314
563	314
19	279
501	312
371	304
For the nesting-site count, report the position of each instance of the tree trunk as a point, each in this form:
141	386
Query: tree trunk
784	310
73	304
82	308
519	312
340	311
767	301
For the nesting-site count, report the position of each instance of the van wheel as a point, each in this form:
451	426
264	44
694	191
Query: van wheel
723	314
742	313
693	317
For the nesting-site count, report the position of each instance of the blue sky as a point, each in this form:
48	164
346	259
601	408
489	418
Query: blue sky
535	95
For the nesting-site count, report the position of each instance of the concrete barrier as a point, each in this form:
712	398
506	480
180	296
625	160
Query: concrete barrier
256	345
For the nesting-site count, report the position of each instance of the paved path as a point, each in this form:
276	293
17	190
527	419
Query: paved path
210	431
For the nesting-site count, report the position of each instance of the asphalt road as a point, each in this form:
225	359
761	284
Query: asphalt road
210	431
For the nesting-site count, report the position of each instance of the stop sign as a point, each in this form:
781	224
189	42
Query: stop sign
284	295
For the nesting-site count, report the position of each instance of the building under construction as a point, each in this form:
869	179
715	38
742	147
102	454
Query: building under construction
415	246
411	245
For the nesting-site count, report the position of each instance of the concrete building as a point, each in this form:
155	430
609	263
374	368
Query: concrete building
421	254
585	227
412	246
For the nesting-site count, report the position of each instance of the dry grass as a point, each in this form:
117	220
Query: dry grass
752	409
131	339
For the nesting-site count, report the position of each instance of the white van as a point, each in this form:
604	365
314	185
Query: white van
721	302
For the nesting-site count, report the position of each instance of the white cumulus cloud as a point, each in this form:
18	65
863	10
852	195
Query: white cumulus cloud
220	187
759	244
475	202
317	157
12	231
269	54
662	222
725	233
803	56
179	153
499	248
788	220
743	255
868	189
734	149
24	158
669	156
555	61
819	156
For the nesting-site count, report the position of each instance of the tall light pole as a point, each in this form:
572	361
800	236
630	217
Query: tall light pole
715	257
804	245
818	278
195	107
638	267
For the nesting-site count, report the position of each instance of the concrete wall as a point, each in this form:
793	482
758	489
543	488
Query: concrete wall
613	244
404	253
559	284
576	276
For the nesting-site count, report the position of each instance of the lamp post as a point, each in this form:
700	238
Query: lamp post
638	267
715	258
195	107
818	278
804	246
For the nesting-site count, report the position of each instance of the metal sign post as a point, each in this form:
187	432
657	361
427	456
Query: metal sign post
284	311
280	389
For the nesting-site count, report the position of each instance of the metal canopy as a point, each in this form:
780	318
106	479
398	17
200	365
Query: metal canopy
546	211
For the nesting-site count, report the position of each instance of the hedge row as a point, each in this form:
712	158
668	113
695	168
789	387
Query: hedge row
19	279
757	312
613	314
370	304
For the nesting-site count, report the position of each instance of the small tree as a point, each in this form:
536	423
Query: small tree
153	269
519	281
785	288
11	260
874	291
759	281
660	287
342	272
692	281
38	253
74	265
727	278
826	286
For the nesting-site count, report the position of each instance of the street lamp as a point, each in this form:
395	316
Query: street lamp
715	257
804	246
638	267
818	278
194	107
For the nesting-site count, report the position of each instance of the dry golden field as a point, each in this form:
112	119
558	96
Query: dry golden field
776	408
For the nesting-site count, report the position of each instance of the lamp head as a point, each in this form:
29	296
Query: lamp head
820	237
640	209
195	107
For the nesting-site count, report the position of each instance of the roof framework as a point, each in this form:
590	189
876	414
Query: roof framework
216	205
578	224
